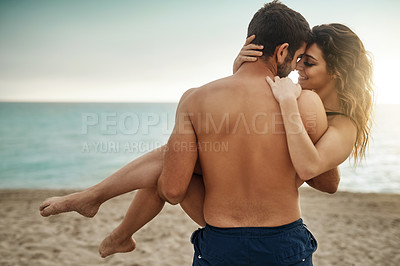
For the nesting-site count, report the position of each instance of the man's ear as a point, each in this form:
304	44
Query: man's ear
281	52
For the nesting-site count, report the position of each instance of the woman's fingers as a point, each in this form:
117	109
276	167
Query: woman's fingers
249	58
299	87
284	88
253	46
249	39
251	53
270	81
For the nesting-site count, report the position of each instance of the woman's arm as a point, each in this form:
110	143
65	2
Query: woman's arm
327	182
330	150
248	53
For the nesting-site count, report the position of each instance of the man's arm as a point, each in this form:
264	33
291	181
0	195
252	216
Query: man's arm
327	182
180	155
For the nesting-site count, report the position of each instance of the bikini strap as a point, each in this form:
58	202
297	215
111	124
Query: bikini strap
335	113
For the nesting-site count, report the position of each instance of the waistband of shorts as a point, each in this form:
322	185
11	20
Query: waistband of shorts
255	231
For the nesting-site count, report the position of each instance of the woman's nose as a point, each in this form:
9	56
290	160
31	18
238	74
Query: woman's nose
299	65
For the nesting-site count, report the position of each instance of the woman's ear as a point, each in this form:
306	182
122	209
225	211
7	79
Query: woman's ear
281	52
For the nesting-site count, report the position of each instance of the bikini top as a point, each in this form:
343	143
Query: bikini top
335	113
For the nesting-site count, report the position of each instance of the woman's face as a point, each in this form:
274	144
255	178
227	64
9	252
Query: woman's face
313	74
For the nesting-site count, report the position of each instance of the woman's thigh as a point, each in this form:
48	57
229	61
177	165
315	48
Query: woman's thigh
194	200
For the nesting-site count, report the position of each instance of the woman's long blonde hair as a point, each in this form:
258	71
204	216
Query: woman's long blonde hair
347	59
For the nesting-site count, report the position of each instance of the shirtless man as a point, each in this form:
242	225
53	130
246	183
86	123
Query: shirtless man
251	204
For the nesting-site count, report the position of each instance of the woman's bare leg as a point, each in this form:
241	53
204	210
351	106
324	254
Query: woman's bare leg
193	204
140	173
145	206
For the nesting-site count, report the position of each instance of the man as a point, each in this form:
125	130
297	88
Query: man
251	201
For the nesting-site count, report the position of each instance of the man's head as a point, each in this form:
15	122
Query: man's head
283	32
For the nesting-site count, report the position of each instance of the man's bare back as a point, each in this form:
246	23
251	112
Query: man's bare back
247	171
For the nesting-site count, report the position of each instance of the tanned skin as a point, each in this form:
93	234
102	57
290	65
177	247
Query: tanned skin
253	181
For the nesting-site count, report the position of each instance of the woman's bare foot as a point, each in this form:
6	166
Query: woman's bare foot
114	244
82	202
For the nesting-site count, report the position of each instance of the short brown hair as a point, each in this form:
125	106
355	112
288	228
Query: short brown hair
275	24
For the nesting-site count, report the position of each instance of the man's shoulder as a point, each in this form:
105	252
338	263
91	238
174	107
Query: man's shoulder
216	84
200	93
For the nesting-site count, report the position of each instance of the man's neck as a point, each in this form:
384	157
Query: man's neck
258	69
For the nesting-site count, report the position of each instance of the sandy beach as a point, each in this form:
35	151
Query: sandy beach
351	229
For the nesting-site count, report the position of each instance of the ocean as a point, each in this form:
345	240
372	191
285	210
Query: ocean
75	145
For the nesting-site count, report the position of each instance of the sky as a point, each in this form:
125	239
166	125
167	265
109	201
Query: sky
153	51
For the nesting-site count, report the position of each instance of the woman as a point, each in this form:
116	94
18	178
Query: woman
335	66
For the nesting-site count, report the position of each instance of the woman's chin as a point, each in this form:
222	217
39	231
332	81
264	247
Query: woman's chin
305	87
303	84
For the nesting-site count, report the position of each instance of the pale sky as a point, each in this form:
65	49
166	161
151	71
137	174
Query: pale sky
152	51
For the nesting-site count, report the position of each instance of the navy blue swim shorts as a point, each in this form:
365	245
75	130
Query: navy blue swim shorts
290	244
